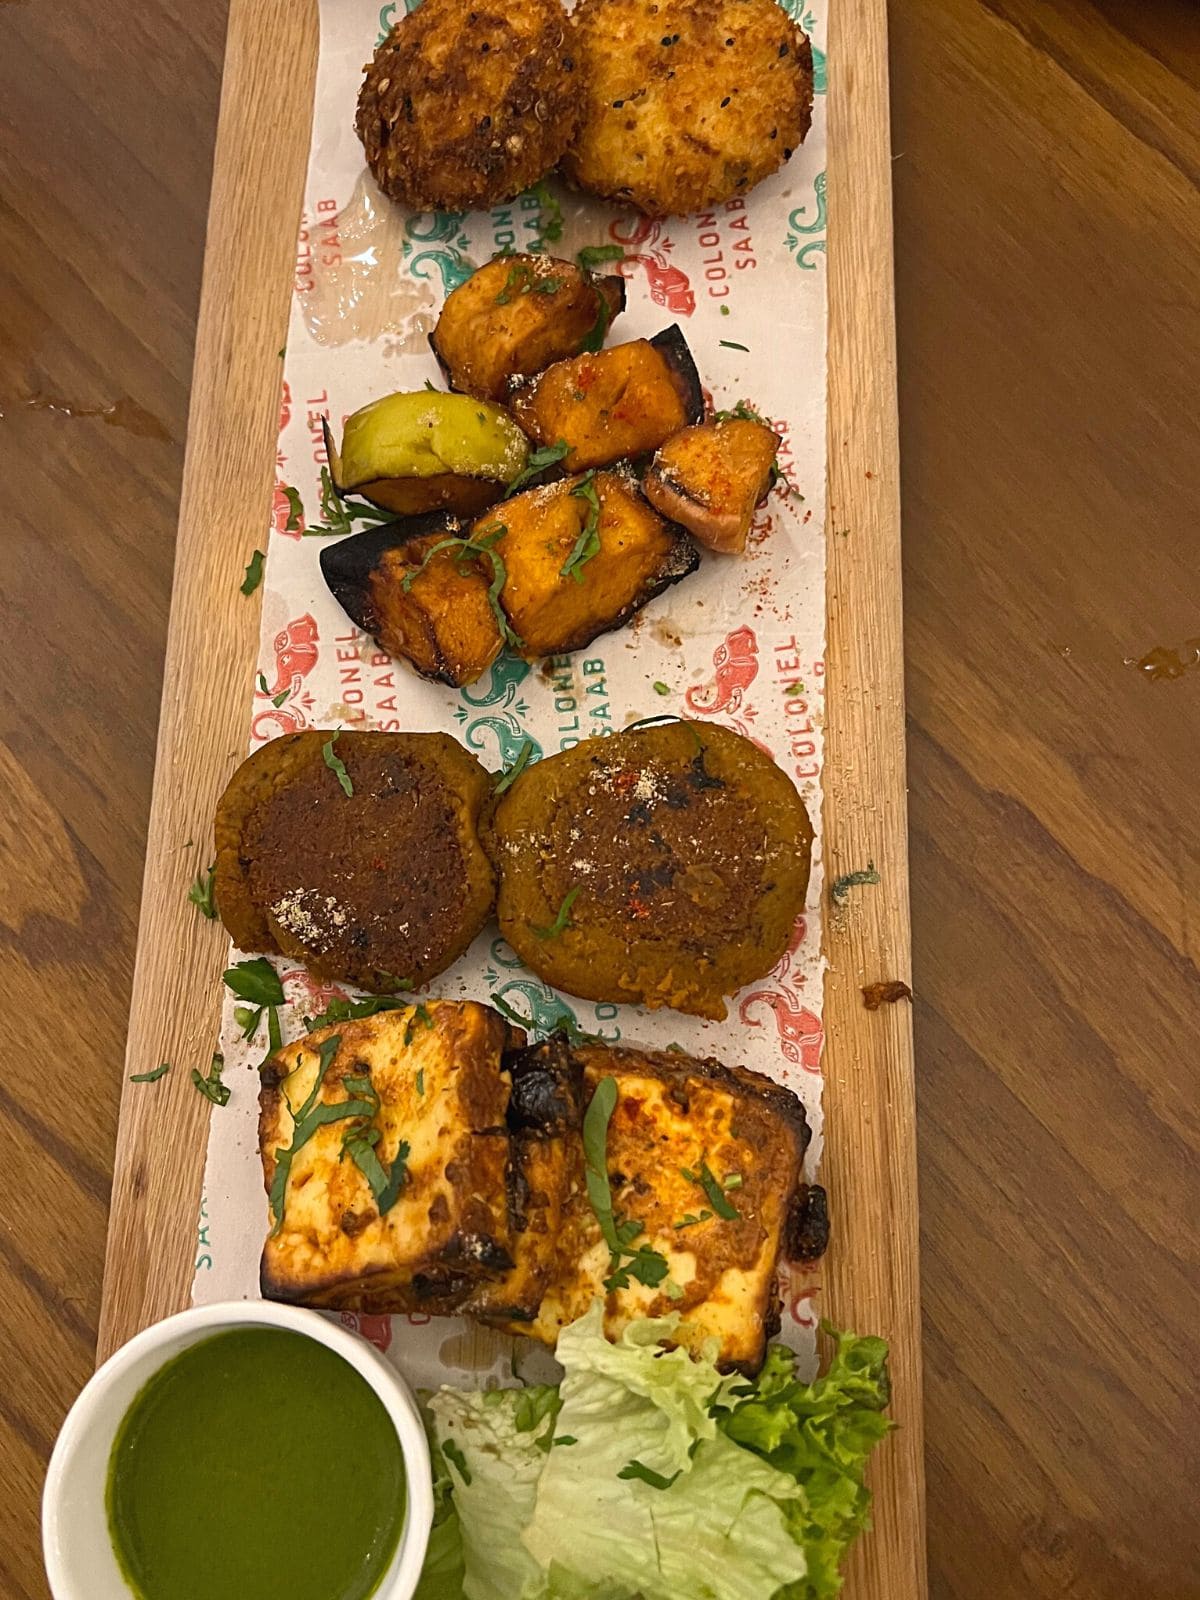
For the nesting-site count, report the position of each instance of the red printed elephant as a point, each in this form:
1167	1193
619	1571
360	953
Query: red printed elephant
669	285
799	1029
735	665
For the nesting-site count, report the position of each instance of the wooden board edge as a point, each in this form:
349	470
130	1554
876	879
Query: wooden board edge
869	1166
872	1272
265	118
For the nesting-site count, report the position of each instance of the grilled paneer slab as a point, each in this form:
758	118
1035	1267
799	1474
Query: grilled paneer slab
710	478
355	853
426	1094
518	314
664	866
706	1161
616	403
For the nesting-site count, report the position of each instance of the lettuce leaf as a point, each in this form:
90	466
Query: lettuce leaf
649	1474
442	1573
490	1440
819	1434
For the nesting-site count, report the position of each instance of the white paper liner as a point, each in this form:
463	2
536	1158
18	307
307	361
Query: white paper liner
731	643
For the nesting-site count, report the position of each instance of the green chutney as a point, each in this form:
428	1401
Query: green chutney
255	1465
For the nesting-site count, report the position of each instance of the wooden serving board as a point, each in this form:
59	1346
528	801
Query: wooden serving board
869	1165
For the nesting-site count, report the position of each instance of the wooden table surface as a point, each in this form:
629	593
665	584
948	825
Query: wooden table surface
1047	235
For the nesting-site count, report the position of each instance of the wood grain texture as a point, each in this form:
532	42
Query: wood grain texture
1046	237
258	172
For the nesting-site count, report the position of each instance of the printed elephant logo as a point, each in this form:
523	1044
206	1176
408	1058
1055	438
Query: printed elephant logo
296	650
451	263
313	996
510	740
546	1011
799	1029
285	405
806	220
375	1329
736	667
799	1289
747	733
669	285
508	673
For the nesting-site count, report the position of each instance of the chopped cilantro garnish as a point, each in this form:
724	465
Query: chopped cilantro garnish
295	516
706	1179
151	1077
645	1264
423	1016
211	1087
562	920
595	255
552	215
661	688
483	546
421	1080
254	573
351	1010
201	893
732	344
840	888
548	456
690	1221
335	763
635	1469
510	774
587	544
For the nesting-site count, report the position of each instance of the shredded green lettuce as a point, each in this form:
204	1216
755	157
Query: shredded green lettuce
649	1474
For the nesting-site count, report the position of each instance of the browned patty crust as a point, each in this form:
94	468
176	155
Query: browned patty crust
679	852
384	884
687	103
466	104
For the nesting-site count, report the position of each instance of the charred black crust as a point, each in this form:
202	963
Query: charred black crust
348	565
673	348
547	1089
806	1232
478	1251
612	287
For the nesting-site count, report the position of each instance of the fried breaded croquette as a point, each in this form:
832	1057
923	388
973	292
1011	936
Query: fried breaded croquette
465	104
687	103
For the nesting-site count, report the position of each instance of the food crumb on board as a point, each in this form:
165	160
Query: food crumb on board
885	993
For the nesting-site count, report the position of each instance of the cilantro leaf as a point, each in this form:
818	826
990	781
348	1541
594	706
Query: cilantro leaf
150	1077
255	981
594	255
254	573
705	1178
587	544
351	1010
211	1087
548	456
635	1470
563	919
483	546
645	1264
201	893
511	773
335	763
295	516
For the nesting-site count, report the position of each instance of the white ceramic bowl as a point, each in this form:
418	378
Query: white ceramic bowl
80	1562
